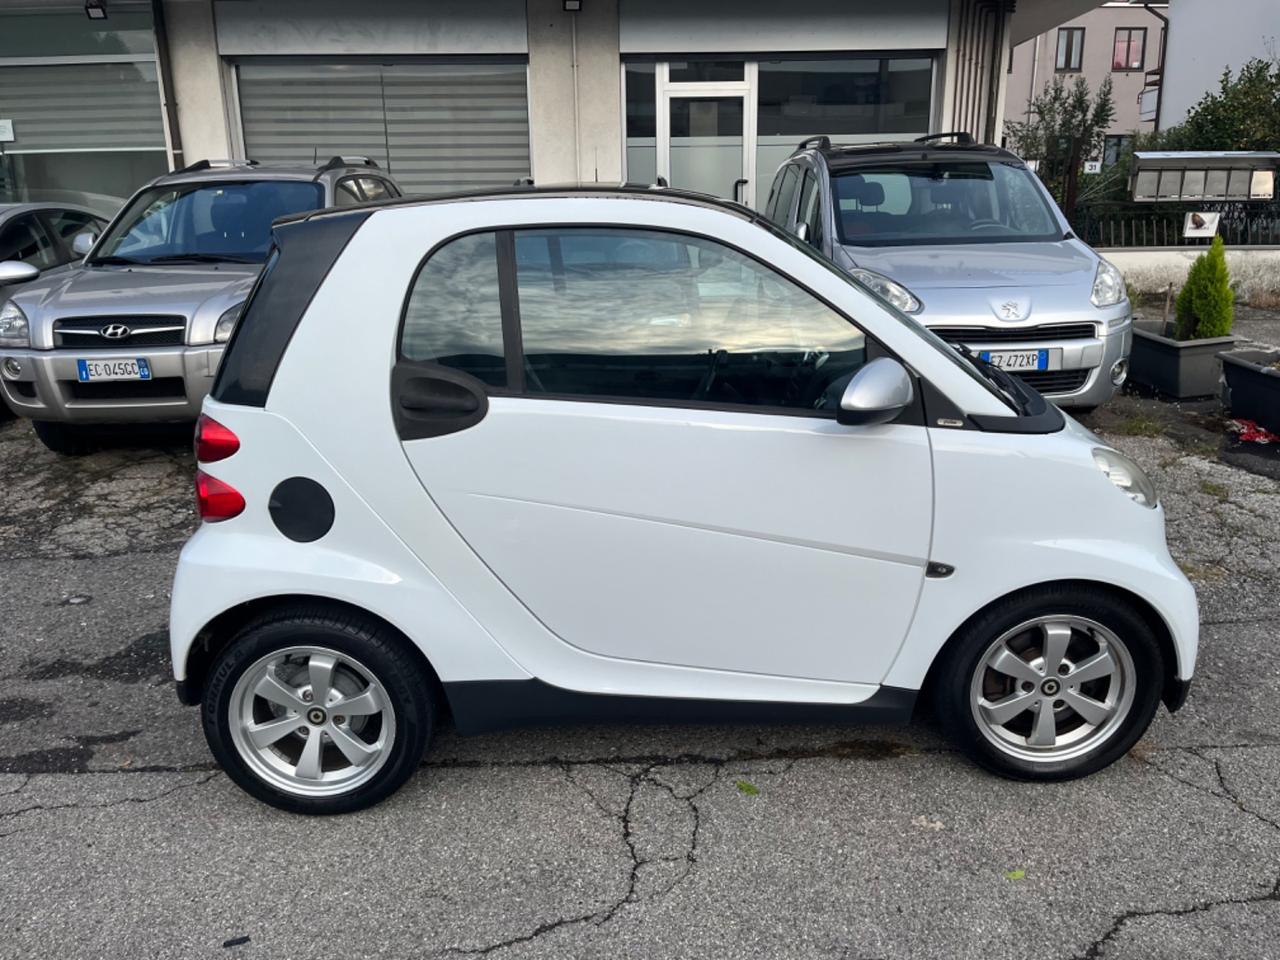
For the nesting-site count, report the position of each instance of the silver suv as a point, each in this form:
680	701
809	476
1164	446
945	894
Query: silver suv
964	238
136	330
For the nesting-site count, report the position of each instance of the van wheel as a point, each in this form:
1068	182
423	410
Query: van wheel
1050	685
64	438
316	711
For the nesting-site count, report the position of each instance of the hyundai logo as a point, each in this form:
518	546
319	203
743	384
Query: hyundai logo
116	331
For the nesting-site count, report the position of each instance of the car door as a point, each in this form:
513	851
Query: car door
24	238
634	431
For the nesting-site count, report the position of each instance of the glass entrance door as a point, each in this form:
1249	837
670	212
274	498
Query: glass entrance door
706	127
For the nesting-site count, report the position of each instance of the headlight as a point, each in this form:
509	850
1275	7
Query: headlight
1108	286
894	292
227	323
1126	475
14	331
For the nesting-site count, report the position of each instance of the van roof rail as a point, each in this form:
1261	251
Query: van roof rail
962	137
822	143
210	164
339	162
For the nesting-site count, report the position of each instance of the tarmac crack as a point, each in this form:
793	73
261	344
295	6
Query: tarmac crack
49	808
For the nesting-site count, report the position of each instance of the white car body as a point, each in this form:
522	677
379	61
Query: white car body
652	551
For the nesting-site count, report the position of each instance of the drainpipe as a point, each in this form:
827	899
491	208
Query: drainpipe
1035	66
166	82
1164	47
999	34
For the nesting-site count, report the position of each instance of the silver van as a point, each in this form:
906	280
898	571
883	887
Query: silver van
136	330
964	238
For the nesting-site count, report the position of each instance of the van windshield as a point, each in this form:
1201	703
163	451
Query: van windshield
941	202
196	222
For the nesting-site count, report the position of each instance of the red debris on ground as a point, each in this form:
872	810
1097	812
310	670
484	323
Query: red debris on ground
1249	432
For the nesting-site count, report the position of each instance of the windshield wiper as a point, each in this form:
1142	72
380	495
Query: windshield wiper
1001	378
202	258
114	261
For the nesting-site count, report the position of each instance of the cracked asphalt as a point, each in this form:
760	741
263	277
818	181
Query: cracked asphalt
119	837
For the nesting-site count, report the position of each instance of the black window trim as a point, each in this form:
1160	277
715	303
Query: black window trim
513	346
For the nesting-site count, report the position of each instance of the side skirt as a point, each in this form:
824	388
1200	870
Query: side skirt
482	705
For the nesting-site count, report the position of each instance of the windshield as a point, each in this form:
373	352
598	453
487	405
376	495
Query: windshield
205	221
941	202
977	372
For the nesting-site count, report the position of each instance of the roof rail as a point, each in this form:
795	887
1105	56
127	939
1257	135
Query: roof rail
962	137
661	182
338	163
210	164
822	143
524	182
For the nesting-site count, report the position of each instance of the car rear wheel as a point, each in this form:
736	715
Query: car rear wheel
1051	685
64	438
318	712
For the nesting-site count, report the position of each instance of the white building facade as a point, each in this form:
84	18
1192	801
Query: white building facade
458	94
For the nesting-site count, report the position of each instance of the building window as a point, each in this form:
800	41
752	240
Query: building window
1070	48
1114	148
1130	48
1160	51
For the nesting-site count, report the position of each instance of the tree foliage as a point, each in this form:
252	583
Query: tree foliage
1065	126
1204	307
1242	114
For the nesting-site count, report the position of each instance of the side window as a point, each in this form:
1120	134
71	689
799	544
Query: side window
648	315
67	223
23	238
347	193
375	189
810	212
454	316
786	194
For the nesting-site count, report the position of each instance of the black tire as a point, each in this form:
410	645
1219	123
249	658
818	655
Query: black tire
1081	411
954	672
412	693
64	438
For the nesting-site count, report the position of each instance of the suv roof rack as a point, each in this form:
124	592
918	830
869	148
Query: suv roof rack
210	164
961	137
339	162
822	143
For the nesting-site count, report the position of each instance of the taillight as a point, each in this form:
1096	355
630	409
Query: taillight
214	441
216	500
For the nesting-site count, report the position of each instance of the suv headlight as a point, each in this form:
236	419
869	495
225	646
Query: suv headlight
890	290
14	331
1126	475
1108	286
227	323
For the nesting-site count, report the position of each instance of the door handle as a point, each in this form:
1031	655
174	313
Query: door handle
738	191
431	400
427	395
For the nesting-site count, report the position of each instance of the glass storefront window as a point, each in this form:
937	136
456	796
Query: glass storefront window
705	71
641	123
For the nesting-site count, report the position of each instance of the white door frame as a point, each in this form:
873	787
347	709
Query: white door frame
665	90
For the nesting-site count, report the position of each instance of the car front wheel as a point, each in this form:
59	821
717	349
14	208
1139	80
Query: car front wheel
1051	685
64	438
318	712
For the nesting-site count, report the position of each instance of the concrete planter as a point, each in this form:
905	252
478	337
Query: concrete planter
1253	386
1179	368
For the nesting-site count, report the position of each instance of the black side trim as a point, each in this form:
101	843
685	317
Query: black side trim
1175	694
482	705
305	253
509	305
1040	415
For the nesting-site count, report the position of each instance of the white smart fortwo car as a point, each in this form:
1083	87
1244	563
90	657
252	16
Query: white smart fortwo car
589	454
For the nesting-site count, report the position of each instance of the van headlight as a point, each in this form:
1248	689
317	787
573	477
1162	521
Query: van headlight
1126	475
14	331
227	323
887	289
1108	286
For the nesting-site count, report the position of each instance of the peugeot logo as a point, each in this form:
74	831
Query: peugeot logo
1011	307
1009	310
116	331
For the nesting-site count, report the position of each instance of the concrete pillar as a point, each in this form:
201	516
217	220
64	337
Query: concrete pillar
198	88
575	115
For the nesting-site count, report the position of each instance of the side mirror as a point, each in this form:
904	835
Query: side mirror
82	243
15	271
877	393
802	232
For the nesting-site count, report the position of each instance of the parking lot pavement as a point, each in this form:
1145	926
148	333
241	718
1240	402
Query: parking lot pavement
119	838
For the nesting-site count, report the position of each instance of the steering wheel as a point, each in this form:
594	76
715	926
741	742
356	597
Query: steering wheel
987	225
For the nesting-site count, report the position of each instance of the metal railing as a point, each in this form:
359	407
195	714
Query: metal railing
1160	225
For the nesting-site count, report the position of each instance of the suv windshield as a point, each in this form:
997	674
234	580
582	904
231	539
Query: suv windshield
970	201
193	222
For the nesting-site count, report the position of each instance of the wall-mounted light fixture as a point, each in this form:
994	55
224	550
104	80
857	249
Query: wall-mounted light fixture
95	9
572	6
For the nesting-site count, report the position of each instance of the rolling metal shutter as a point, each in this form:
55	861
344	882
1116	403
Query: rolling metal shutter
435	127
78	107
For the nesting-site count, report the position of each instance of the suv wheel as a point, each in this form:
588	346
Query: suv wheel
318	712
1051	685
64	438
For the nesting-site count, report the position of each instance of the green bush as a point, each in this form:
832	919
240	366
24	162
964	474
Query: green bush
1204	307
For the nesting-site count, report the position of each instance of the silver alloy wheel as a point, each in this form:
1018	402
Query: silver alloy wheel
1052	688
312	721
